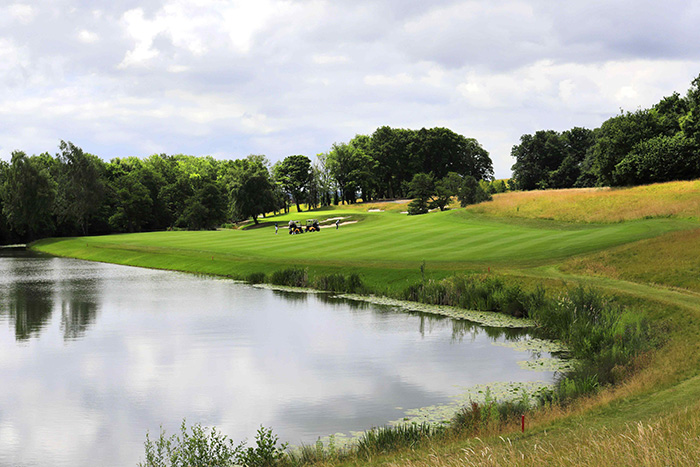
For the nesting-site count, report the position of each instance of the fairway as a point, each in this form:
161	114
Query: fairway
445	237
383	247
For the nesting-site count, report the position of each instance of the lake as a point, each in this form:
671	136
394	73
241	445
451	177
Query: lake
92	356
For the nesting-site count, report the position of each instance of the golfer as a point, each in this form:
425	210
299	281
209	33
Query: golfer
337	223
276	228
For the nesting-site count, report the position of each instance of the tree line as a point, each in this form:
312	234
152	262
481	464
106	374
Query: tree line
652	145
77	193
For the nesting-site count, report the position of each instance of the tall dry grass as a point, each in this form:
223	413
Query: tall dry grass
670	440
672	199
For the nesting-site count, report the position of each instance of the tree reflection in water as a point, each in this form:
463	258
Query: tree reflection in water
29	307
29	294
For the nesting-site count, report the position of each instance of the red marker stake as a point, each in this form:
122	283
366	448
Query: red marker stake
522	423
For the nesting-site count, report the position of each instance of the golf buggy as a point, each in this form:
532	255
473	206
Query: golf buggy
312	225
295	227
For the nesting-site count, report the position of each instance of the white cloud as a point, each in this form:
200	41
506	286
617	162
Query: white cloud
21	12
143	32
88	36
328	59
385	80
285	77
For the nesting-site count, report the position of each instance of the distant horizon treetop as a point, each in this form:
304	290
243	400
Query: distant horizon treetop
652	145
394	156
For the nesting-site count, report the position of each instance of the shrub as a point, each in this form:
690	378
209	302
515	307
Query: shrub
200	447
417	206
266	452
602	336
256	278
292	277
476	293
211	448
392	438
340	283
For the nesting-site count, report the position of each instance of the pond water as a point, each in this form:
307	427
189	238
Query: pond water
92	356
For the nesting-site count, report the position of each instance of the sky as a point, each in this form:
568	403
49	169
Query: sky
229	78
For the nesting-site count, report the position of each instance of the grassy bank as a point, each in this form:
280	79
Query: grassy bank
674	199
638	245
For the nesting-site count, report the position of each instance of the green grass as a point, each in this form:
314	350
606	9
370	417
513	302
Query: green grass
675	258
647	257
385	248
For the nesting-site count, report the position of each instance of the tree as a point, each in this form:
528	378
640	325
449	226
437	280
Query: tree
536	156
421	188
617	137
81	188
471	192
445	189
294	174
659	159
396	163
134	204
690	122
324	178
352	171
28	195
250	188
441	151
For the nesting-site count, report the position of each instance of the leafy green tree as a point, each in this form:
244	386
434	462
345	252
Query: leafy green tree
250	188
659	159
690	122
352	170
536	156
5	235
81	187
294	175
134	204
445	189
441	151
471	192
324	179
195	195
28	196
617	137
160	176
421	188
669	112
397	163
401	153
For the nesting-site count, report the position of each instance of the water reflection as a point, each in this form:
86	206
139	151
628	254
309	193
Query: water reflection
76	318
427	322
29	307
93	355
30	292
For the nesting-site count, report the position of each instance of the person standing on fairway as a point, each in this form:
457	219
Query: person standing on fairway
275	228
337	223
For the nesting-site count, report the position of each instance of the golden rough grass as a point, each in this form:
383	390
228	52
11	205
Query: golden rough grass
672	199
673	440
672	259
670	440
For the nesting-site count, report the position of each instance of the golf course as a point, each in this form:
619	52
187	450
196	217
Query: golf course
640	246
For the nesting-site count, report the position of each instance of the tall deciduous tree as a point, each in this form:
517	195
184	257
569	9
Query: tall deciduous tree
81	187
294	174
352	169
28	194
251	190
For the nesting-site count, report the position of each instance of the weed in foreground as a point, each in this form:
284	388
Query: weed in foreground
203	447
